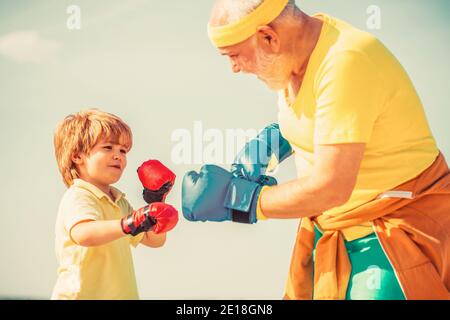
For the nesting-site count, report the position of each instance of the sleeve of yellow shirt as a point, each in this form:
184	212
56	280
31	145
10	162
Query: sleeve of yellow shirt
347	90
79	206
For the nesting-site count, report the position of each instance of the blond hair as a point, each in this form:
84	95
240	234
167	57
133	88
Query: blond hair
79	132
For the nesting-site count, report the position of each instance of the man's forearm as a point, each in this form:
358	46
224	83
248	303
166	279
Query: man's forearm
97	233
299	198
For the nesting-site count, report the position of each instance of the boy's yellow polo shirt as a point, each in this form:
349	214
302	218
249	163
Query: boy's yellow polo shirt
355	91
101	272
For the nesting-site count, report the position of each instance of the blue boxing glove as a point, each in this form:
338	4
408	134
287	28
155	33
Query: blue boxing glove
214	194
252	161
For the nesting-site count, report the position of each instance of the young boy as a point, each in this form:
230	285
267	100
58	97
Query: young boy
95	224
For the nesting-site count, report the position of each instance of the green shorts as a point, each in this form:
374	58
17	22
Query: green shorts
372	277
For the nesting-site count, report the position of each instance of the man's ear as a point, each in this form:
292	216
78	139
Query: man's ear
268	38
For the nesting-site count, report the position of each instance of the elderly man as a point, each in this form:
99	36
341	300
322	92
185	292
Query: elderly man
373	190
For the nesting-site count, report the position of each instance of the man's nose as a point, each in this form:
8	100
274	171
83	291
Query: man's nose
235	67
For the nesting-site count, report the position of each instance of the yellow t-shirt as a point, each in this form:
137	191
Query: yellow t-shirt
355	91
100	272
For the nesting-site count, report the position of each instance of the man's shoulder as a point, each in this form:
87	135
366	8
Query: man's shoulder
352	39
353	48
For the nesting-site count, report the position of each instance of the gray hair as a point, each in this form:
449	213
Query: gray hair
235	10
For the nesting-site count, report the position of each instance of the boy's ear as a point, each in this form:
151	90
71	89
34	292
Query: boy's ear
77	159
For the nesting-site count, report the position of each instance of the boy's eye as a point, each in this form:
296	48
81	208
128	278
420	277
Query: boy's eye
108	147
123	151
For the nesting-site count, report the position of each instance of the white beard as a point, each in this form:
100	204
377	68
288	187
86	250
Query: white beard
273	76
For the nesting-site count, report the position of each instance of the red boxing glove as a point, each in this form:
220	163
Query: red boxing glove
165	215
157	180
158	216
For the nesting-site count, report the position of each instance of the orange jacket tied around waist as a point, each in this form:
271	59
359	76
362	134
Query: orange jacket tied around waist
414	234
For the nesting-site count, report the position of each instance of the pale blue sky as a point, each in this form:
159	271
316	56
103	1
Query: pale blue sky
151	63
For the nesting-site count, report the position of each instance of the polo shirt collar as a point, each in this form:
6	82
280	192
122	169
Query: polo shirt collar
97	192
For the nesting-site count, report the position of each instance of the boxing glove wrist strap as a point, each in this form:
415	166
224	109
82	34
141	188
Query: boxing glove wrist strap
159	195
241	199
131	226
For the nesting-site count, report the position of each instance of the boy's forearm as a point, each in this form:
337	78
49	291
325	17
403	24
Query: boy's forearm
97	233
153	240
